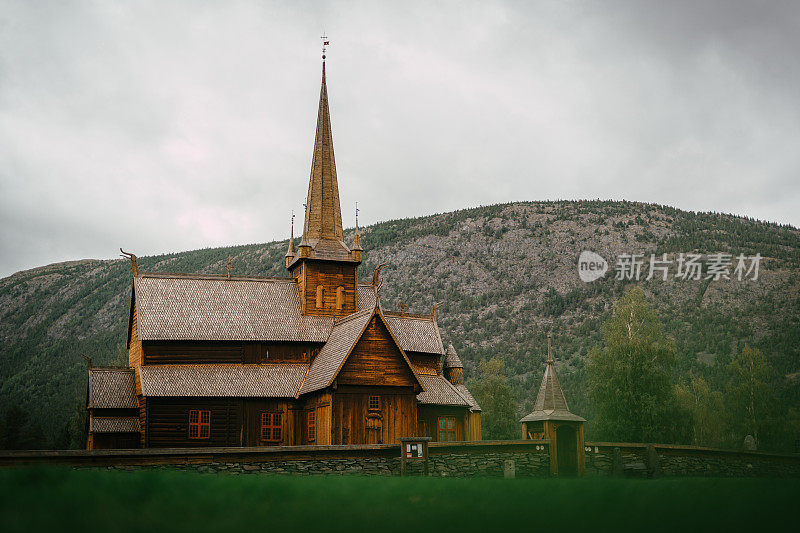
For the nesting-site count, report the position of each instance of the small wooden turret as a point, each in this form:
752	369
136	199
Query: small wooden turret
453	369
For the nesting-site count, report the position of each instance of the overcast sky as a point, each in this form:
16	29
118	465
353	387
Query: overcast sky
168	126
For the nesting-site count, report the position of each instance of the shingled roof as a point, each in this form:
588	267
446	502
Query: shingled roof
473	404
196	307
170	307
414	333
551	404
439	391
112	388
229	380
113	424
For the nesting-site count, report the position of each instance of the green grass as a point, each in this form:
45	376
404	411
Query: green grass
49	499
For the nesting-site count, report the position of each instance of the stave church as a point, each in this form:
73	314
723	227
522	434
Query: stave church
310	359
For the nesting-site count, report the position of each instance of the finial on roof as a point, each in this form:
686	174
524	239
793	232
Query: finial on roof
229	266
325	43
132	257
290	252
376	279
549	348
357	237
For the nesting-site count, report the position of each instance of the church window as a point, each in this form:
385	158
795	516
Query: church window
320	296
447	428
312	426
339	298
374	403
271	426
199	424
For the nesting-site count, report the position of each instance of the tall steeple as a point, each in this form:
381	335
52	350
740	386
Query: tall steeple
323	213
325	268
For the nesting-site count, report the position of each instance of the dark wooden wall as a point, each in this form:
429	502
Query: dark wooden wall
376	360
397	416
428	418
330	275
168	422
234	421
113	441
211	352
425	363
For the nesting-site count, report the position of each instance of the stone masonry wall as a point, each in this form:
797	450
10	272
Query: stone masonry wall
461	459
672	460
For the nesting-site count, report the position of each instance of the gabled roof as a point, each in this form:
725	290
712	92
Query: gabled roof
114	424
551	404
343	338
229	380
439	391
183	307
112	388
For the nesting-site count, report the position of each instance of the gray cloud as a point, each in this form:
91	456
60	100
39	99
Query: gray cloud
171	126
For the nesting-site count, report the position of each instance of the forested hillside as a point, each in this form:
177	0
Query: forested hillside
503	275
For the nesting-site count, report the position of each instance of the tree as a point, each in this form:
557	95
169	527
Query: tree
706	409
749	392
499	406
630	376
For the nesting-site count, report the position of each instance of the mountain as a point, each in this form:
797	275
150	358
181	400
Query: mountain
504	275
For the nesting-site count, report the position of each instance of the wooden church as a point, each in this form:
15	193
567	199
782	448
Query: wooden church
308	359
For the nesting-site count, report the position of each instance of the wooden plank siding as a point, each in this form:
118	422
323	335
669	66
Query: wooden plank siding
330	275
376	360
425	363
472	426
135	352
234	421
428	419
113	441
168	422
396	417
219	352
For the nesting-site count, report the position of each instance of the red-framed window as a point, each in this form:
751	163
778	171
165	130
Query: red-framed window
271	426
199	424
312	426
447	428
374	403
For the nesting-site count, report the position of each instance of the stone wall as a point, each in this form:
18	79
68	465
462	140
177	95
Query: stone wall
458	459
634	459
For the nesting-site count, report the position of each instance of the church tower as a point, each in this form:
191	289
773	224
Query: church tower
325	268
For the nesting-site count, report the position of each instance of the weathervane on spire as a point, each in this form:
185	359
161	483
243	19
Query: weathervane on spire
356	215
325	43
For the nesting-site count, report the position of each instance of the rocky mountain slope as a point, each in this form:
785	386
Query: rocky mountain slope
503	275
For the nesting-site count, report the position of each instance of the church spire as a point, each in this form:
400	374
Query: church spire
323	217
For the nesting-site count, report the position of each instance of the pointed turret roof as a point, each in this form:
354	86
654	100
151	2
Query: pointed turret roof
451	359
551	404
